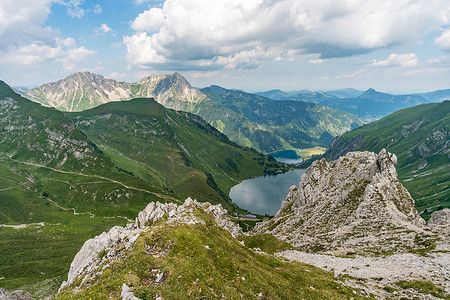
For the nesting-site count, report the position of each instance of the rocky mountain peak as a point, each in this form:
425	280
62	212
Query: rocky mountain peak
80	91
353	202
171	90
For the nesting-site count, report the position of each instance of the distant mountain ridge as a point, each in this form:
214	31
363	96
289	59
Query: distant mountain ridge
369	105
82	91
284	124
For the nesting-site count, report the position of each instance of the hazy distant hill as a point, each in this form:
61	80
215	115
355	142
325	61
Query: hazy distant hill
436	96
294	123
420	137
369	105
345	93
280	95
82	91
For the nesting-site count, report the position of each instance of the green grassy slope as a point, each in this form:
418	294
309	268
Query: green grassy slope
419	136
52	174
175	150
206	262
276	125
58	188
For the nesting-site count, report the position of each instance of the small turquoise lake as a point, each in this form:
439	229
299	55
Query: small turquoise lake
287	156
264	194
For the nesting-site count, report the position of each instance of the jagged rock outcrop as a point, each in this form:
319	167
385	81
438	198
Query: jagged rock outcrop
80	91
440	217
105	246
354	204
171	90
84	90
16	295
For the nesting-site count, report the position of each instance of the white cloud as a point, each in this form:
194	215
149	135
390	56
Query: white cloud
354	74
438	60
21	21
150	20
206	34
105	28
117	75
97	9
64	52
426	71
443	41
74	8
317	61
25	41
32	54
397	60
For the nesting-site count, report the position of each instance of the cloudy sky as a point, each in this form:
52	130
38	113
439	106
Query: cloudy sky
254	45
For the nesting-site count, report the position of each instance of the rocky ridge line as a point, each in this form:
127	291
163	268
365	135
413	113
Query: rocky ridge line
102	248
354	204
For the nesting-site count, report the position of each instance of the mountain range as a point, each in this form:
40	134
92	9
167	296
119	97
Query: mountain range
258	123
369	105
68	177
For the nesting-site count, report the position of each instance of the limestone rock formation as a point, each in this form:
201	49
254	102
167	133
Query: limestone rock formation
353	204
16	295
81	91
440	217
171	90
107	245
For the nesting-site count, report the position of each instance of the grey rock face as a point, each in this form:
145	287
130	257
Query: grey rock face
81	91
171	90
355	202
16	295
440	217
126	293
102	247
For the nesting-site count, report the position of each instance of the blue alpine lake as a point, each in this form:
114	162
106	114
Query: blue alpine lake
287	156
264	194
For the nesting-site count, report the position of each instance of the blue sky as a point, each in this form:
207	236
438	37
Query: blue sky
394	46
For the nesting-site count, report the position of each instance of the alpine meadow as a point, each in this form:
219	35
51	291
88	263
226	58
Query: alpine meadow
186	149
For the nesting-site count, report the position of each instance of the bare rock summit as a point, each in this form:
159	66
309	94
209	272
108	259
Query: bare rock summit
354	204
108	246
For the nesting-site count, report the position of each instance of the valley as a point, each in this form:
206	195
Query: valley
54	174
246	119
263	150
70	175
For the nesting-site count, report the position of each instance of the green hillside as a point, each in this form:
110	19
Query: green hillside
52	174
419	136
289	125
176	150
275	125
60	188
